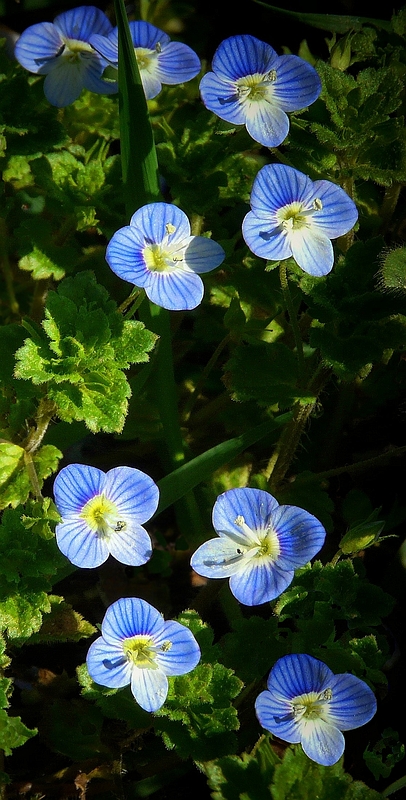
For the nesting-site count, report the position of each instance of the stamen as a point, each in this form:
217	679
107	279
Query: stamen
119	526
158	47
170	228
166	646
317	204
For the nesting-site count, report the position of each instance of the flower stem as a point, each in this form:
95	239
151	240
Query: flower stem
5	266
283	275
394	787
164	389
203	377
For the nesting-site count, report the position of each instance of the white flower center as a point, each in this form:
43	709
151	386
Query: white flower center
295	215
145	57
263	543
163	257
257	86
142	651
102	517
75	48
311	705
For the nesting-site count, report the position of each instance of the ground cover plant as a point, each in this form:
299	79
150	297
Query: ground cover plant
203	327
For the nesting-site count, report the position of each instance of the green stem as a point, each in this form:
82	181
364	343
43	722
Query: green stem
46	410
283	275
389	204
360	466
394	787
5	266
203	377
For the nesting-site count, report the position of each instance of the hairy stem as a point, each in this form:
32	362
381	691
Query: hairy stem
283	274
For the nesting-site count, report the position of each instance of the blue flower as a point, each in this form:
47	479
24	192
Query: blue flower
159	60
61	51
305	702
101	514
251	85
157	253
260	544
294	216
139	648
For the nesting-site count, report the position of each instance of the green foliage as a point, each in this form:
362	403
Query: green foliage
17	469
28	561
321	601
262	774
82	357
385	754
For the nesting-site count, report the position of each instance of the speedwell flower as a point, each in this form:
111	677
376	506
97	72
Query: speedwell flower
260	544
305	702
61	51
159	60
101	514
139	648
251	85
157	253
294	216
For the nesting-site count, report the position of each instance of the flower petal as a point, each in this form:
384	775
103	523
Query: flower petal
242	55
297	674
259	582
218	558
254	505
131	546
124	255
151	84
321	742
184	653
37	45
134	493
152	222
80	23
80	544
144	34
177	290
312	251
300	536
129	617
177	63
75	485
277	185
64	84
275	715
149	687
203	255
297	83
107	664
106	46
338	214
265	237
221	97
92	79
266	122
353	703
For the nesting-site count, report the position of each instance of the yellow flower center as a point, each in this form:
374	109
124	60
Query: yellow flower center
266	542
142	651
102	516
255	87
294	216
160	257
74	48
311	705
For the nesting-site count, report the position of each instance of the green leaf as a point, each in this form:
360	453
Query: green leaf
82	359
62	624
299	778
182	480
247	776
337	23
13	732
16	470
139	163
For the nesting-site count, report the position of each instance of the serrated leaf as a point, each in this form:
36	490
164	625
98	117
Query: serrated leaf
13	732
